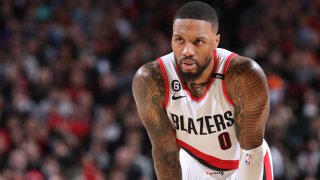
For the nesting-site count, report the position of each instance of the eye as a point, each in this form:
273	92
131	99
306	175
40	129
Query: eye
198	42
178	39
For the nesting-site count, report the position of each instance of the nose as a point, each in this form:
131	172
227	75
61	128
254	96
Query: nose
188	50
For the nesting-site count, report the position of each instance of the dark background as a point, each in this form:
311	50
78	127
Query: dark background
66	66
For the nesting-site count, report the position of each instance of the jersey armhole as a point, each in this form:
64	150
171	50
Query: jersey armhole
166	82
223	82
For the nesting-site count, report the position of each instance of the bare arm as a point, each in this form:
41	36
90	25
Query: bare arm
149	94
247	87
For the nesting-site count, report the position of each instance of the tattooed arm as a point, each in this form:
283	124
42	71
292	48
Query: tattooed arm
247	87
149	94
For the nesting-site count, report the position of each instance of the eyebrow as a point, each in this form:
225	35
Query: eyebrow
176	35
200	37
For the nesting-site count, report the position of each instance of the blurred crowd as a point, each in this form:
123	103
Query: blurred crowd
66	66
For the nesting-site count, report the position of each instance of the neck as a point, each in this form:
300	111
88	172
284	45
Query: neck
197	89
193	85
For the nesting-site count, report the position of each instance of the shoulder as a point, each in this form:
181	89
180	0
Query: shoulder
153	68
242	66
148	68
148	80
149	71
244	77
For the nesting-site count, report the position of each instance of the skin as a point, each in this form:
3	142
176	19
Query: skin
195	40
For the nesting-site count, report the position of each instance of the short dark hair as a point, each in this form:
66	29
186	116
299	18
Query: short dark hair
198	10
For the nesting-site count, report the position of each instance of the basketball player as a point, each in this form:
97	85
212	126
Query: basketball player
204	107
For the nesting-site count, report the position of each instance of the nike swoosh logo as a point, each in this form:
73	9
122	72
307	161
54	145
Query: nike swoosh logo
174	97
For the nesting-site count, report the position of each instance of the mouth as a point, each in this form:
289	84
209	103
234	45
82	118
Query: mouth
188	65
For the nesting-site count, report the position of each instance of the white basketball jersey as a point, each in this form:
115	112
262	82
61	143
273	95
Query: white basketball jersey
205	126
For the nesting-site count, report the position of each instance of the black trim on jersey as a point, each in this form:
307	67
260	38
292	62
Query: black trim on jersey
203	162
218	75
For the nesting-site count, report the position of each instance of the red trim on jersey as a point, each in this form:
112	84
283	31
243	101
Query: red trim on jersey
166	82
223	82
211	160
208	85
267	166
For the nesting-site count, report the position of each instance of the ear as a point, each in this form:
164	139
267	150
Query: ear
216	41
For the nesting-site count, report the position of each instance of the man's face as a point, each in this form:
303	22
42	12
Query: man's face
193	42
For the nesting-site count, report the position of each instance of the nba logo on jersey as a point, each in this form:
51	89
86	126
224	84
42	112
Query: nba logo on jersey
248	159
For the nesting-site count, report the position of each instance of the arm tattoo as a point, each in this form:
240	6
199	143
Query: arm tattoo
246	86
149	94
170	159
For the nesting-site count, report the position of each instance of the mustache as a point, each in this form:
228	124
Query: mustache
187	58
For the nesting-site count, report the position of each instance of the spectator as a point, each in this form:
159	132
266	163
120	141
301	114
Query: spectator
66	69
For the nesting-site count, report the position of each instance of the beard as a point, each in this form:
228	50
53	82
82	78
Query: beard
190	76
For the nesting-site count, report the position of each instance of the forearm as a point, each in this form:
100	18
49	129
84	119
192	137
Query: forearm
167	164
149	93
